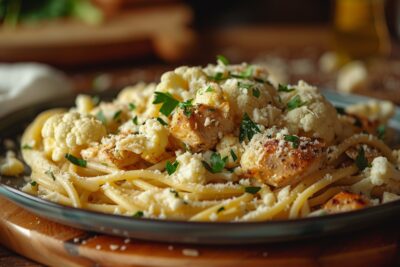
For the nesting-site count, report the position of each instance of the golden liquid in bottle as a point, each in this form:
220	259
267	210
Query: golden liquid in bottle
360	29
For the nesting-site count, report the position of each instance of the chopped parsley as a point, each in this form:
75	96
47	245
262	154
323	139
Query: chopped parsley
340	110
209	89
162	121
221	209
138	214
247	128
33	183
100	116
168	102
51	174
381	131
171	167
26	146
96	100
223	60
361	161
187	107
295	102
233	155
219	76
285	88
135	120
176	194
244	85
246	74
217	164
132	106
117	115
293	139
256	92
252	189
76	161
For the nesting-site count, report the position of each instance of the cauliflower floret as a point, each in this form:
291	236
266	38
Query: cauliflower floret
314	115
230	147
267	116
112	115
190	169
382	170
150	142
84	104
69	133
352	77
11	166
378	110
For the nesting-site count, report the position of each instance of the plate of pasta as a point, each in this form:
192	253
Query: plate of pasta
215	154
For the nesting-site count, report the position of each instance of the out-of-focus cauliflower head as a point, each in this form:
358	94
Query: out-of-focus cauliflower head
11	166
309	113
69	133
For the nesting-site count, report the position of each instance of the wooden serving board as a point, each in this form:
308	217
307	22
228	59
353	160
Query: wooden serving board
57	245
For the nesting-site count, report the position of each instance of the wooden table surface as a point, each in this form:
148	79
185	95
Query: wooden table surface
260	43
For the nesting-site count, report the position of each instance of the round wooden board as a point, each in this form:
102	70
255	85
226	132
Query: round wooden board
53	244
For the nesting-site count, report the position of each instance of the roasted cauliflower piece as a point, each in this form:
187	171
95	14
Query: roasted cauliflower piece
344	202
10	165
201	129
69	133
281	161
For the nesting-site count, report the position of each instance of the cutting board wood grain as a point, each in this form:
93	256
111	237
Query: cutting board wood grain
53	244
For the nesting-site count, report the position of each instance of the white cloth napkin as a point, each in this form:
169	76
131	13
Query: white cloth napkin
23	84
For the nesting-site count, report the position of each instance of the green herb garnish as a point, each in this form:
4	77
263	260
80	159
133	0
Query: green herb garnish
361	161
76	161
223	60
219	76
33	183
295	102
176	194
138	214
96	100
217	164
233	155
246	74
209	89
26	146
168	102
171	167
340	110
285	88
247	128
100	116
135	120
221	209
132	106
293	139
256	92
162	121
187	107
381	131
244	85
252	189
117	115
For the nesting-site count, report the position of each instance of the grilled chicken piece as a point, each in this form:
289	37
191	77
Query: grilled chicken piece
107	154
201	129
279	162
345	201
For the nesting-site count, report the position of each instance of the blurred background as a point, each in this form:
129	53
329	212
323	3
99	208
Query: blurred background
347	45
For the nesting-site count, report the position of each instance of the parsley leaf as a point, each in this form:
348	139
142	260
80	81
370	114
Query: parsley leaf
293	139
76	161
252	189
247	128
381	131
256	92
285	88
246	74
340	110
244	85
361	161
100	116
51	174
96	100
33	183
138	214
221	209
172	191
117	115
26	146
169	103
223	60
132	106
233	155
171	167
162	121
135	120
217	164
295	102
219	76
209	89
186	106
